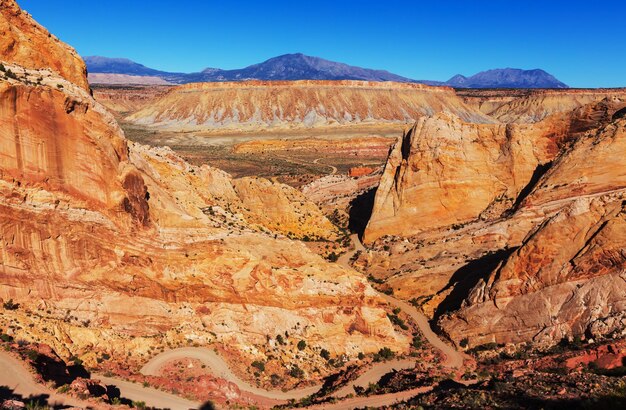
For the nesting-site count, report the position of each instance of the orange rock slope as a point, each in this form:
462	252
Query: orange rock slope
23	41
258	105
508	233
109	246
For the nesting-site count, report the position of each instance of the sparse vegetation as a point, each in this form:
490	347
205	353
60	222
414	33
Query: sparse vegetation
301	345
296	372
10	305
396	320
384	354
325	354
258	365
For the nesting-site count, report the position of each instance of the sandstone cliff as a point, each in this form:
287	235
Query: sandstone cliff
530	249
528	106
23	41
257	105
567	276
109	246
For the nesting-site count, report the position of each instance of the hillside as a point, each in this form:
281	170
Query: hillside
261	106
112	249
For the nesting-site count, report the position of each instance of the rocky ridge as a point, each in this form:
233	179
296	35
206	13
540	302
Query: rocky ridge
256	105
528	251
24	42
112	247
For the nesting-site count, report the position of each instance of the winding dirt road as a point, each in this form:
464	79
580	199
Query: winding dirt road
16	376
150	396
453	360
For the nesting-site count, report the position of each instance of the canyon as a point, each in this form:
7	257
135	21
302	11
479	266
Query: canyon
349	218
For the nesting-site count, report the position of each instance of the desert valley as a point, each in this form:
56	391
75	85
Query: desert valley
227	240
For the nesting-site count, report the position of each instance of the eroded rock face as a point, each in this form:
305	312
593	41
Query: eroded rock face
568	276
23	41
529	106
445	171
257	105
112	246
531	250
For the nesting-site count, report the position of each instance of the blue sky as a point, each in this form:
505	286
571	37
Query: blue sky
581	42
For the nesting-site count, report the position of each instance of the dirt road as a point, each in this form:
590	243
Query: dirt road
16	376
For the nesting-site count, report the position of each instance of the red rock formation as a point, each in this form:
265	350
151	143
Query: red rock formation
531	249
262	105
23	41
111	246
360	171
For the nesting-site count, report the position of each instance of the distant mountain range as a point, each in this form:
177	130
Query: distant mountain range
301	67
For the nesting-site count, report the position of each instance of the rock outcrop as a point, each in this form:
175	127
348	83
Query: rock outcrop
24	42
507	232
568	275
109	246
528	106
258	105
445	171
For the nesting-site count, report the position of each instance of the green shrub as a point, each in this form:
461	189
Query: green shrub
296	372
397	321
325	354
258	365
9	305
32	355
2	68
384	354
301	345
64	389
417	342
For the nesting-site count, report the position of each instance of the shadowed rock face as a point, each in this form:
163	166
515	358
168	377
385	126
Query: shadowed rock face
23	41
145	250
515	232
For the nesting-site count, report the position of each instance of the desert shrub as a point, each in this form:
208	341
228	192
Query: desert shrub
301	345
10	305
325	354
417	342
258	365
384	354
296	372
398	321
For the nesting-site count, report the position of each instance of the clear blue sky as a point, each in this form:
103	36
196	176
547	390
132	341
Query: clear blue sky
583	43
